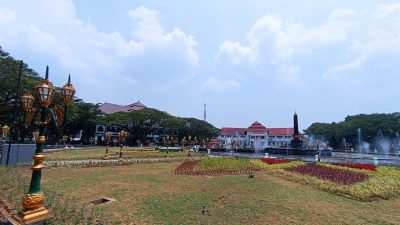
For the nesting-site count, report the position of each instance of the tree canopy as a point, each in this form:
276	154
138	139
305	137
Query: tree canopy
370	125
83	116
142	123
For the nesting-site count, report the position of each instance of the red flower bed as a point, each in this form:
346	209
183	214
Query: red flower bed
331	174
188	168
274	161
357	166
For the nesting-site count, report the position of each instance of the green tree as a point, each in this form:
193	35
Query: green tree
370	125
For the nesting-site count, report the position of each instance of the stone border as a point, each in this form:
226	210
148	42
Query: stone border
110	162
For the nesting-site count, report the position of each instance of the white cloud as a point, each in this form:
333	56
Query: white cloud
236	53
335	71
6	16
151	34
149	30
286	38
215	84
53	29
380	35
384	11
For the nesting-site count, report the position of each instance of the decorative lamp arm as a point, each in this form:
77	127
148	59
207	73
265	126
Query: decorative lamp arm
53	117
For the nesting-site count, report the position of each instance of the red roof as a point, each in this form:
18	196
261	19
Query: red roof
257	127
280	131
232	131
109	108
214	141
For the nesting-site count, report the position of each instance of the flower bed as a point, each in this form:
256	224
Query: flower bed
357	166
326	173
215	167
270	167
274	161
225	163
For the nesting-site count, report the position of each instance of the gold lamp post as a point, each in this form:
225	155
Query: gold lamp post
34	211
168	141
108	138
35	135
183	142
91	140
65	138
122	136
5	129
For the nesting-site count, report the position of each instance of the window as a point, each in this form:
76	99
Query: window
100	129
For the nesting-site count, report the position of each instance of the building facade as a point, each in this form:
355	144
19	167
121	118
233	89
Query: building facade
109	108
256	136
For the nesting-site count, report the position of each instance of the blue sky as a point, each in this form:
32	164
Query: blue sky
248	60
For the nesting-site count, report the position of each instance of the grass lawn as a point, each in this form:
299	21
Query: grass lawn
152	194
98	153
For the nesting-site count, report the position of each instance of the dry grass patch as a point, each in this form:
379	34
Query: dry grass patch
152	194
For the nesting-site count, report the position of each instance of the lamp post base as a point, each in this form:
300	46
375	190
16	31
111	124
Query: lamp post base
32	217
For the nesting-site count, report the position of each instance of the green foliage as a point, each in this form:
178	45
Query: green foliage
224	163
389	124
81	115
9	70
141	123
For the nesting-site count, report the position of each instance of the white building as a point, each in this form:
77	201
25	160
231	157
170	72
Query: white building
255	136
280	137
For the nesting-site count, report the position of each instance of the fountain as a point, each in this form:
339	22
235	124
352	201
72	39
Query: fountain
344	144
382	143
359	139
297	146
396	145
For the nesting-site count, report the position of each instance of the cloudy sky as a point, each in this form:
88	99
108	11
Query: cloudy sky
248	60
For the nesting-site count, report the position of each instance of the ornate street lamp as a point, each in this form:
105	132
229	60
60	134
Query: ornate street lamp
35	134
183	142
91	140
190	142
27	101
5	129
319	152
108	138
34	211
122	135
65	139
168	141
